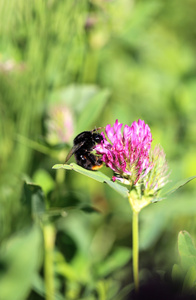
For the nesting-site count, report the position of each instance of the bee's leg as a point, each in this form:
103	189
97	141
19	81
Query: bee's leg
96	161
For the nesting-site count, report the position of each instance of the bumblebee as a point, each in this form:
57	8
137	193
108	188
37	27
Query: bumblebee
82	148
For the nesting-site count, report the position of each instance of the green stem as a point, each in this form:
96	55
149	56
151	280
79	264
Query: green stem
135	249
101	289
49	239
137	205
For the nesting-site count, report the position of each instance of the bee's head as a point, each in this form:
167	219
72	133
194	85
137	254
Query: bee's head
97	137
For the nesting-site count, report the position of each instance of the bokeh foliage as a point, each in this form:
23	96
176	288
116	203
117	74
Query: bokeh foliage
102	60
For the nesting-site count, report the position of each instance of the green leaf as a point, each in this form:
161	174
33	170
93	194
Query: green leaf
116	260
44	179
20	262
62	166
164	193
96	175
33	197
190	279
186	250
75	92
95	106
178	185
86	100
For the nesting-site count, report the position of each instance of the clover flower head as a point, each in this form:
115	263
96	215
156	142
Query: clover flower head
128	153
59	124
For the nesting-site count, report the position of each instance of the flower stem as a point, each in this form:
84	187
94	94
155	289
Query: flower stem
135	249
49	239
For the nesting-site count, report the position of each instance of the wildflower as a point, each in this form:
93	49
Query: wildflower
130	156
59	124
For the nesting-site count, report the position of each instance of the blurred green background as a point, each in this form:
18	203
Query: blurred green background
68	66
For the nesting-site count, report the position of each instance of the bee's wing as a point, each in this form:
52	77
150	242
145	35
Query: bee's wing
73	150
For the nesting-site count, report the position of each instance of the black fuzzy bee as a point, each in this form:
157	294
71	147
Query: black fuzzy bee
82	148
